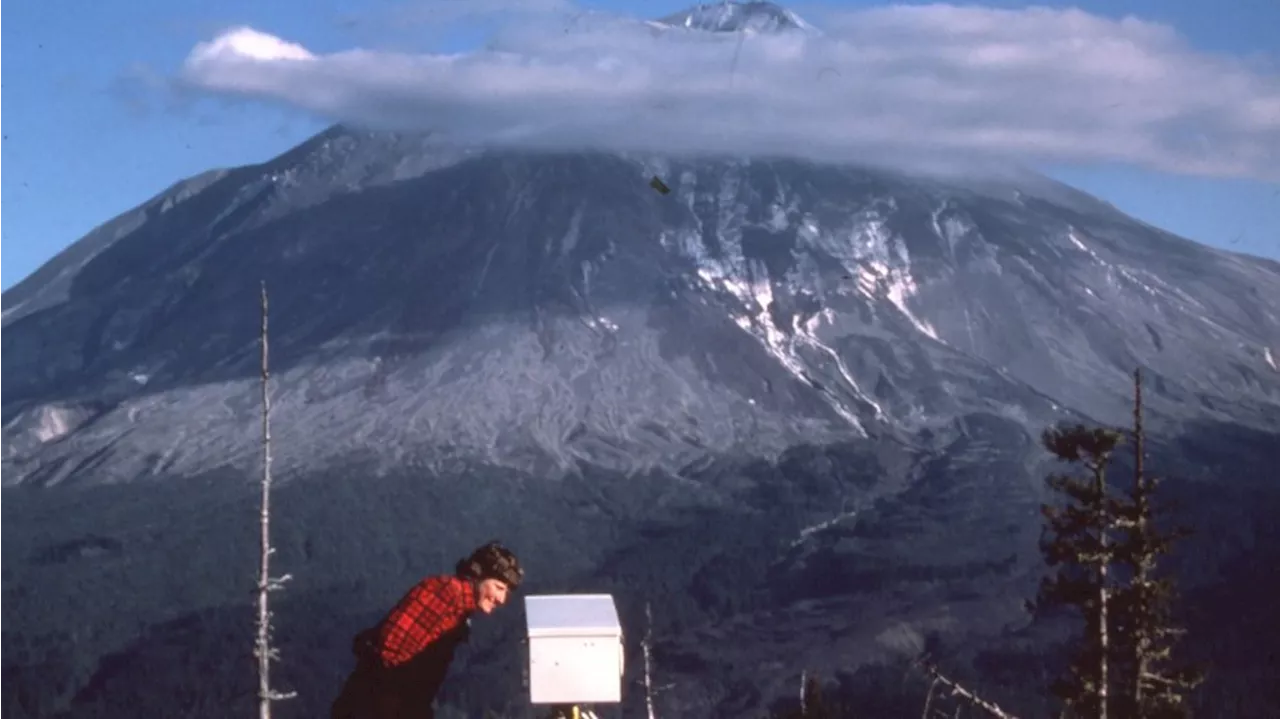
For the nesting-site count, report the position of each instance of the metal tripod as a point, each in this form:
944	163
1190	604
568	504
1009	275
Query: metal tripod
570	711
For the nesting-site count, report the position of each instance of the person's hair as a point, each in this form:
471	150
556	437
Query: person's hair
491	561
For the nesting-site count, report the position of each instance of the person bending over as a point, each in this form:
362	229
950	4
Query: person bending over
402	661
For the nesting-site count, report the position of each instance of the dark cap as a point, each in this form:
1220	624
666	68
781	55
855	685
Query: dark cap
492	561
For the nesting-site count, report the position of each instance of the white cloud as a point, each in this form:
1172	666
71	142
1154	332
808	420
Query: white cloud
935	82
245	43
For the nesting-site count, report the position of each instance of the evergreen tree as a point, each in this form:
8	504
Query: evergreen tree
1106	547
1077	541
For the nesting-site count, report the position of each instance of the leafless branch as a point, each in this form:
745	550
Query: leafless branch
959	691
648	677
804	705
928	699
263	650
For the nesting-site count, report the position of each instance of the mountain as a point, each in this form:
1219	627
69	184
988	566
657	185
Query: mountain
793	406
538	311
718	17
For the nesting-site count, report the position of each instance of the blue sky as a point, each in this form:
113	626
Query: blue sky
85	140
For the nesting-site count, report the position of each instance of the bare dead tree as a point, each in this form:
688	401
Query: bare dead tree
648	676
263	650
928	699
957	690
804	685
1104	595
1141	640
1157	683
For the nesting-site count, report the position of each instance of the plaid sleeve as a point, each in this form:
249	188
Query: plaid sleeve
429	610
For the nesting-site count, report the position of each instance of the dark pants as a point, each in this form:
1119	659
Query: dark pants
407	691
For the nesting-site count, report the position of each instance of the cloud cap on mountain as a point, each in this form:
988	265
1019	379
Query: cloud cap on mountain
938	84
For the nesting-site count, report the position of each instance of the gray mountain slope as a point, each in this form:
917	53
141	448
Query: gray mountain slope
536	310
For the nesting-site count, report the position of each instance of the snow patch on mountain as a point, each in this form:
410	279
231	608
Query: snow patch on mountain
897	285
755	293
949	233
54	422
864	248
880	263
745	17
1114	273
1080	245
785	345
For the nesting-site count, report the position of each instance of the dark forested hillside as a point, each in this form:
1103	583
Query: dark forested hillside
136	599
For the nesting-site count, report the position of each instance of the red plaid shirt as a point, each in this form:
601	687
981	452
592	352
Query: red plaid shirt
434	606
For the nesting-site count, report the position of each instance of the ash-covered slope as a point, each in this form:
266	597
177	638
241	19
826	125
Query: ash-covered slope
542	310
